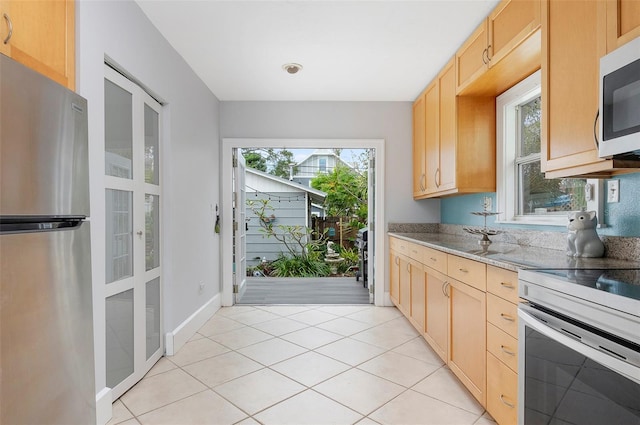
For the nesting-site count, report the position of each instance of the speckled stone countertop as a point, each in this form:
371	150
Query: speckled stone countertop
510	256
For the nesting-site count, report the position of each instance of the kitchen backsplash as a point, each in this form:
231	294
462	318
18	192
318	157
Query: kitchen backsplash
623	248
622	218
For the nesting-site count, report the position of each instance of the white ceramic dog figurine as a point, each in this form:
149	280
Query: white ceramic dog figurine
582	240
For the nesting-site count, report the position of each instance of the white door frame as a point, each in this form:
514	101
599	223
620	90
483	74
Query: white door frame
226	228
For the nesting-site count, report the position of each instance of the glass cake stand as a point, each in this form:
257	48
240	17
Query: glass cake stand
485	231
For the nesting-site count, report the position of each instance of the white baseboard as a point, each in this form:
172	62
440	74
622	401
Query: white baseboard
179	336
104	403
387	300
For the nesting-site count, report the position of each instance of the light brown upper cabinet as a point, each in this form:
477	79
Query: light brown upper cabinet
502	51
459	140
41	35
419	188
573	40
622	22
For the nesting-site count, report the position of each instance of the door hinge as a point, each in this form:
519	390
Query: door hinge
235	288
234	160
235	226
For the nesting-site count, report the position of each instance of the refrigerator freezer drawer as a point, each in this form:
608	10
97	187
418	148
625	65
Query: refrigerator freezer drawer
46	346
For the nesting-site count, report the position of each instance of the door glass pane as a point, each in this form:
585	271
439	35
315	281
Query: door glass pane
118	131
152	231
119	318
151	144
152	317
119	234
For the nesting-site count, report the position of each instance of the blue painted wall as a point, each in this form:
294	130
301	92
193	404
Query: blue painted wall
623	218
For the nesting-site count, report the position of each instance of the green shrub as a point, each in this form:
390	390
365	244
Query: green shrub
299	266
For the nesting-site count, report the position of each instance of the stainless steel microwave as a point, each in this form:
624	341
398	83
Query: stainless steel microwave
620	102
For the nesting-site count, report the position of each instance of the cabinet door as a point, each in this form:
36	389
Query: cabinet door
471	57
467	348
432	136
570	63
43	37
417	296
394	277
448	136
419	147
623	22
510	23
437	314
405	286
502	391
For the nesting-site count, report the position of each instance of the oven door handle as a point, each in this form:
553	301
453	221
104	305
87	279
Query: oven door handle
605	359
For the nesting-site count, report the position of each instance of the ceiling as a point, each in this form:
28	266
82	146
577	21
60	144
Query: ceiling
350	50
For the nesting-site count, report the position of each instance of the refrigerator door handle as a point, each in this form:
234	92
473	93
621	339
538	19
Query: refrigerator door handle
8	226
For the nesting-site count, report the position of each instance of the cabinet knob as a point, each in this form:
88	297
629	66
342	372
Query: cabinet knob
10	25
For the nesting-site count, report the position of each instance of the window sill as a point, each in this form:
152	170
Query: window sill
560	221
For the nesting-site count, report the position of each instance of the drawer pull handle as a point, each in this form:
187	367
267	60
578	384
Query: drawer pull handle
504	350
507	285
507	317
397	260
432	259
463	270
506	403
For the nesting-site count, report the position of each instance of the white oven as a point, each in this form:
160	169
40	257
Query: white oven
579	344
620	102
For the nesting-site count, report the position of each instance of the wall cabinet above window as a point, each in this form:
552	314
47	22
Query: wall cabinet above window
503	50
41	35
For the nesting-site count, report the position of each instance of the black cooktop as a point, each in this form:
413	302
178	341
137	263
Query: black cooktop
624	282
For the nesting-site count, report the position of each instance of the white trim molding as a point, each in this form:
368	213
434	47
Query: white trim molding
226	231
175	339
104	406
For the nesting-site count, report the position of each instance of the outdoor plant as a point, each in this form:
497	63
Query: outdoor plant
305	256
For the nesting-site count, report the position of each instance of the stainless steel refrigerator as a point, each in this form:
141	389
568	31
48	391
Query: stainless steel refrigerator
46	320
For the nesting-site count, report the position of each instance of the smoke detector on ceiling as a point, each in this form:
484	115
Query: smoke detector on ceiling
292	68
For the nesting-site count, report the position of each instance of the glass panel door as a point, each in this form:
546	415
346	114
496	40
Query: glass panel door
133	281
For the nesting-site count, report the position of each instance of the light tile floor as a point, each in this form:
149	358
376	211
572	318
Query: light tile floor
301	365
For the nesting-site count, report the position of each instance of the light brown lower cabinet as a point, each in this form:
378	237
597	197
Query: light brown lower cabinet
437	313
417	296
502	391
467	333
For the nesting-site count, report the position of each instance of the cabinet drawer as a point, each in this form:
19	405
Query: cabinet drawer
399	245
503	346
415	251
502	391
468	271
503	314
435	259
503	283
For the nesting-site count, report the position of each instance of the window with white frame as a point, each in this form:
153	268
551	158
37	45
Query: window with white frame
524	195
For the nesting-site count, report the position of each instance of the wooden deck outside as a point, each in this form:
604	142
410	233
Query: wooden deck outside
325	290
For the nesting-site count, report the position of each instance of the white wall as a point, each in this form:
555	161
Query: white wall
189	156
390	121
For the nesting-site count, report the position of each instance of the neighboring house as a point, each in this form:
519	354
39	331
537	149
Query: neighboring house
292	203
320	161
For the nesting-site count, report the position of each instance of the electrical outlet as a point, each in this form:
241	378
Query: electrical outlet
613	191
201	287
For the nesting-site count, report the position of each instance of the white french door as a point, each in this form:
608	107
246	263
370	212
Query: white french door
133	294
240	223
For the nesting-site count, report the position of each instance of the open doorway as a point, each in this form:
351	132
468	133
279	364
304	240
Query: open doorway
230	272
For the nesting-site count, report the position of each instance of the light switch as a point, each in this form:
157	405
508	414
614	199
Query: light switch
613	191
